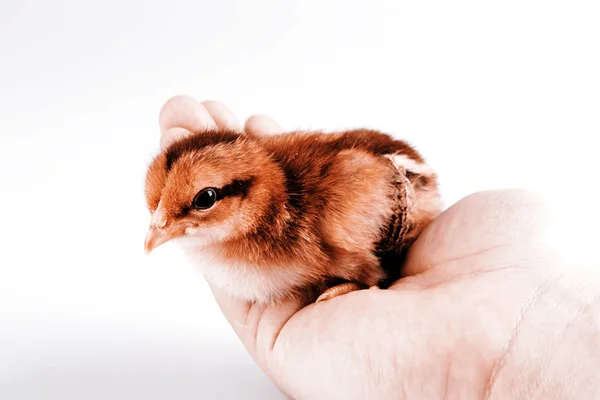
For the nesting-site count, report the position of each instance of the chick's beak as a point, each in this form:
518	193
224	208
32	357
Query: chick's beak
161	231
156	237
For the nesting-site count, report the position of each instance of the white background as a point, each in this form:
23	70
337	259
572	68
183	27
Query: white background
495	94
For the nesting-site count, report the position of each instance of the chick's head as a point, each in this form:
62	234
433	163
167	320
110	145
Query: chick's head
209	187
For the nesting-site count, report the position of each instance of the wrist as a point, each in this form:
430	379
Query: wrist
554	351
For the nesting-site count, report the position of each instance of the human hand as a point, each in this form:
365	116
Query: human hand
464	322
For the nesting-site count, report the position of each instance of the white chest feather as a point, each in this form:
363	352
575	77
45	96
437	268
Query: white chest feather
245	281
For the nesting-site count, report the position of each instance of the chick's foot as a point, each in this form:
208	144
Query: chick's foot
338	290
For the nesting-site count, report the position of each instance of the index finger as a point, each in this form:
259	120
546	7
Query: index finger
180	116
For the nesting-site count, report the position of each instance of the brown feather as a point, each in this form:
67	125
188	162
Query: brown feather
334	206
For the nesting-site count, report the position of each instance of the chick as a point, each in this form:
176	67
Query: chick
301	214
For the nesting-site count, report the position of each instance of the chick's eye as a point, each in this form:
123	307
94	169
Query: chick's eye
205	199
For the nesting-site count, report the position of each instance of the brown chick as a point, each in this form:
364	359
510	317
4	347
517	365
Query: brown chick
308	214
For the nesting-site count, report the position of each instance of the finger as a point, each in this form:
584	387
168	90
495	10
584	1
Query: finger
222	116
172	135
257	326
262	125
180	116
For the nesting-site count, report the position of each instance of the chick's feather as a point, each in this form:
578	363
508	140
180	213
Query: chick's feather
315	208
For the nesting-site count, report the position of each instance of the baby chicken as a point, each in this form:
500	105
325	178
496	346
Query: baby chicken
308	214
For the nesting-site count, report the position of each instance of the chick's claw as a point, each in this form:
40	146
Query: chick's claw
338	290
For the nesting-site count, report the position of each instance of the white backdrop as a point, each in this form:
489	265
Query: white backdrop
495	94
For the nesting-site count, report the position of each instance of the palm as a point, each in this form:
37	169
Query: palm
439	318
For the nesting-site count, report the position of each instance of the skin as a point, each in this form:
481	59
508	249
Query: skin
494	306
